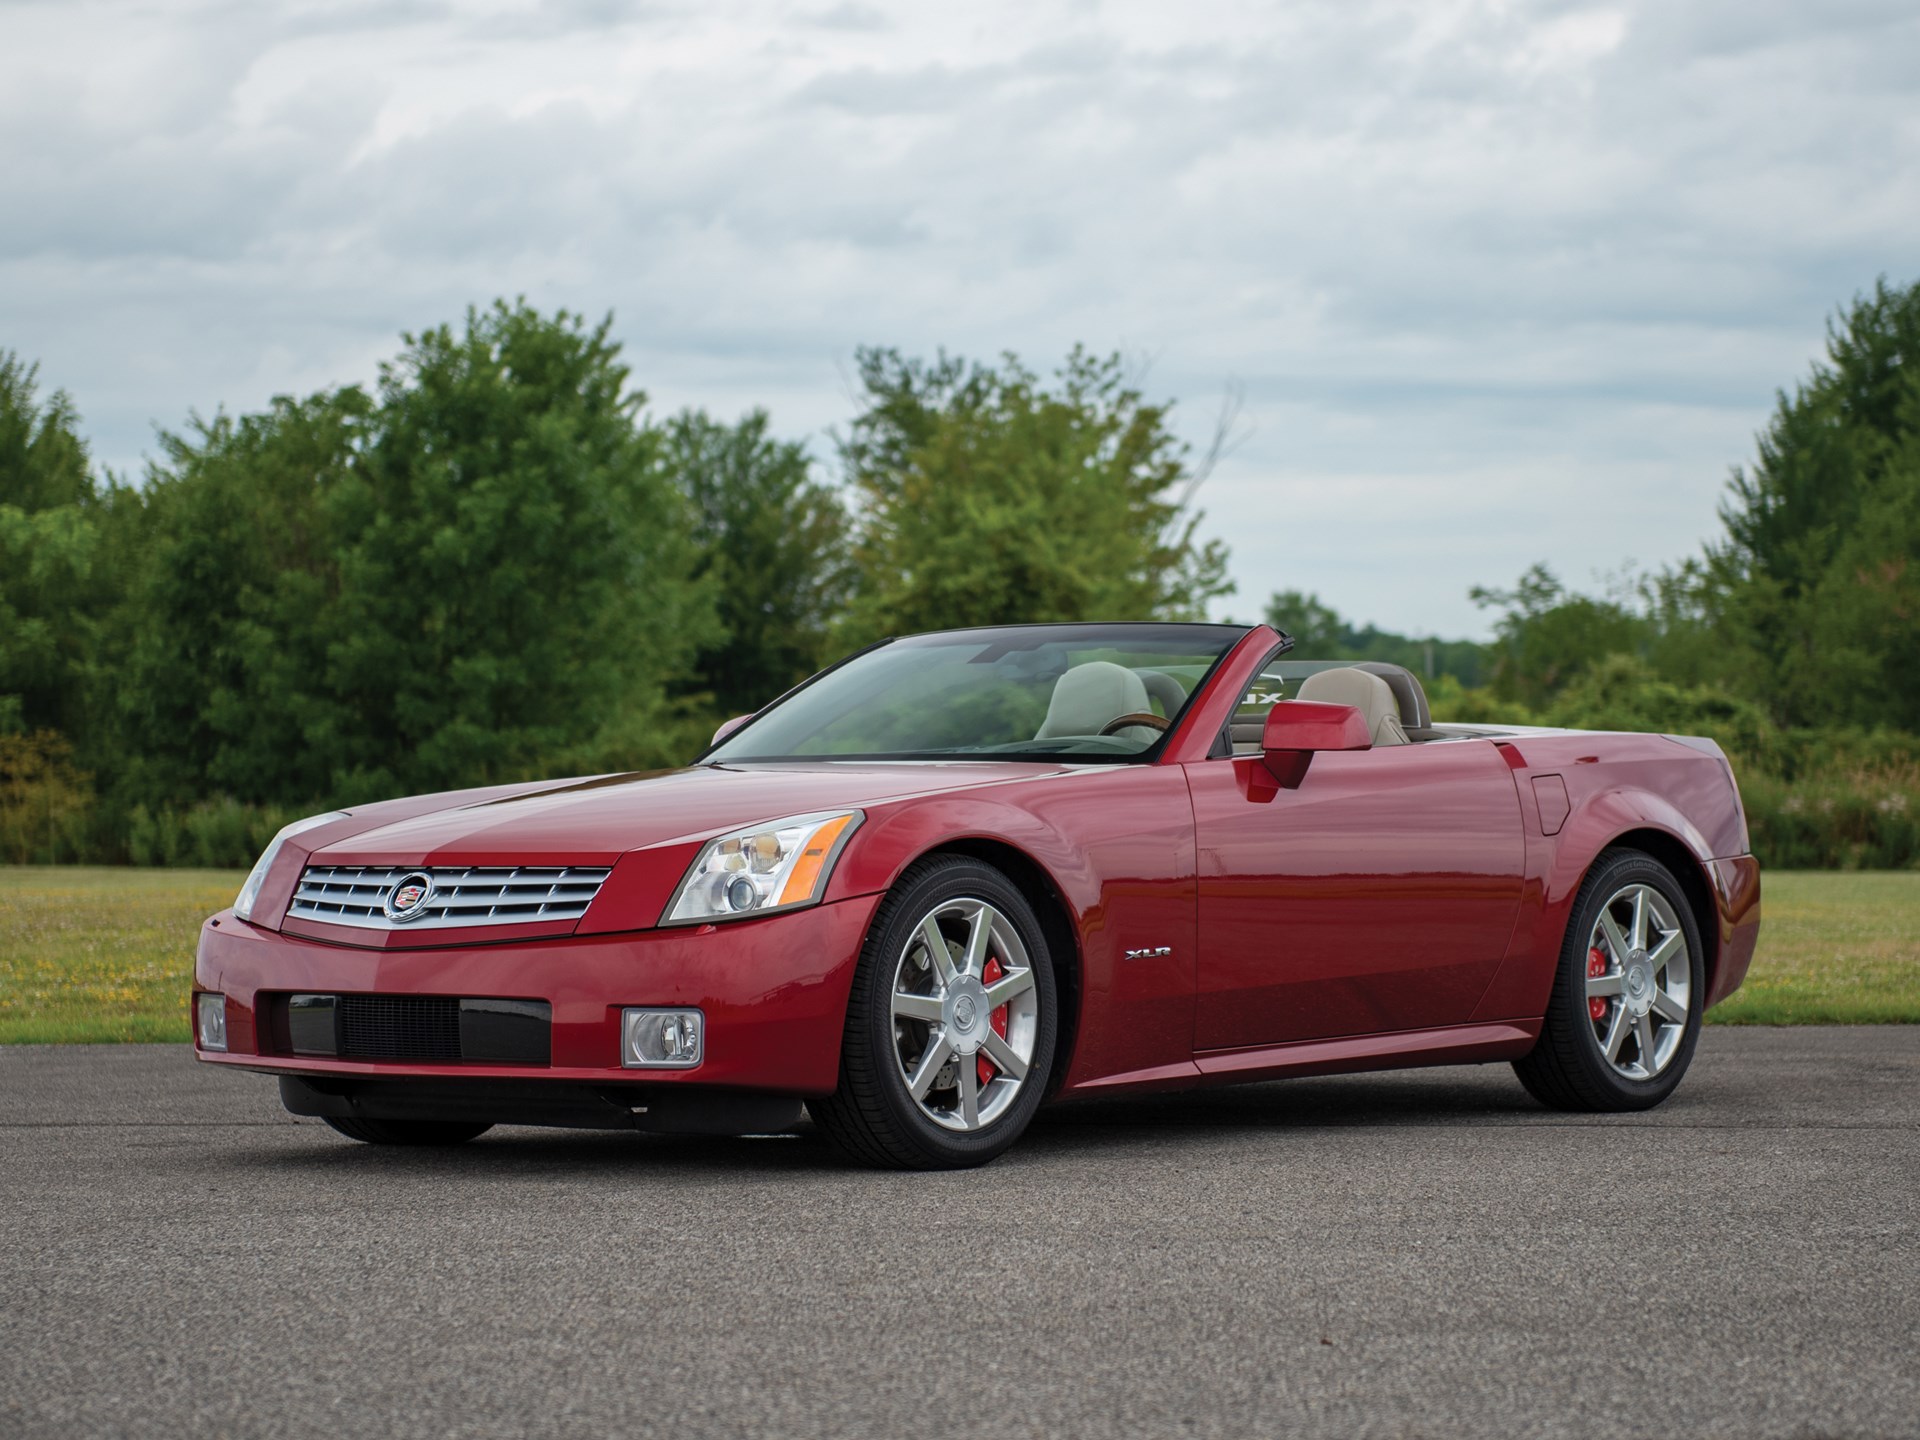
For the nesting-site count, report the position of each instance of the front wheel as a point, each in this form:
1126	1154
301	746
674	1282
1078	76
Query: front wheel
1625	1012
951	1024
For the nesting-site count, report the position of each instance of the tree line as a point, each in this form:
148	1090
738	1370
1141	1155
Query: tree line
496	562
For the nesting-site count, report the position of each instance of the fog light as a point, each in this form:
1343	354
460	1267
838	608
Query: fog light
661	1039
210	1020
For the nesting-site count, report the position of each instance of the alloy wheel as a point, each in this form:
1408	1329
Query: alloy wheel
1639	982
965	1014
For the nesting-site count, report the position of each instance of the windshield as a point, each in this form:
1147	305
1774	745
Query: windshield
1092	692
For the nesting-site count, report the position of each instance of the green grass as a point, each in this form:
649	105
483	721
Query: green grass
90	955
1836	948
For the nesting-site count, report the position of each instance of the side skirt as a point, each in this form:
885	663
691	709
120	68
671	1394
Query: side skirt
1398	1050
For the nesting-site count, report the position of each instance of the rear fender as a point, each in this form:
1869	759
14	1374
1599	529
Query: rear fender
1556	867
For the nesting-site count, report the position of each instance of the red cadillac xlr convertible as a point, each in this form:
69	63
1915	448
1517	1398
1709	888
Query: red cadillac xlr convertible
959	875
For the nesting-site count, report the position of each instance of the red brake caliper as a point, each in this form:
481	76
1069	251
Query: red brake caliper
984	1067
1596	967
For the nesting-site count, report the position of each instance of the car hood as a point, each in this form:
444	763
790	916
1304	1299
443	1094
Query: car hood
595	821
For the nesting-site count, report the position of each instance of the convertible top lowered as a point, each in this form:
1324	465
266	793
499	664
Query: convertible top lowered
959	875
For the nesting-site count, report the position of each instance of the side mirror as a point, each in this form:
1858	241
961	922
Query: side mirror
727	727
1297	729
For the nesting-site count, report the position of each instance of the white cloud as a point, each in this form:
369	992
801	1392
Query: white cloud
1502	281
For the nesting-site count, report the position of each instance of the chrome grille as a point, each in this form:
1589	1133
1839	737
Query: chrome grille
520	895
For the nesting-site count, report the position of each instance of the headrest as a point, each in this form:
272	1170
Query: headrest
1164	688
1367	693
1089	696
1412	700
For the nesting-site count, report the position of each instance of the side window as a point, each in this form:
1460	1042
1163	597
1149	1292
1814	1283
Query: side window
1249	719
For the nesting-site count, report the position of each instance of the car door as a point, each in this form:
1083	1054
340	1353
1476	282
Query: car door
1377	896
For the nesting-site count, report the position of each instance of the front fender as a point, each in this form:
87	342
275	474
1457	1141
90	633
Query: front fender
1116	845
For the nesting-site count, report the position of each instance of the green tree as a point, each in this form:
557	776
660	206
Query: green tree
478	573
986	496
514	568
769	542
1684	639
1321	633
1546	635
49	586
220	655
43	460
1820	568
1622	693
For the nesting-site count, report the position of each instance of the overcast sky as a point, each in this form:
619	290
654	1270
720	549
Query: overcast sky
1501	282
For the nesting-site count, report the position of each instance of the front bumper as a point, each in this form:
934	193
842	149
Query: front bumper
774	993
663	1109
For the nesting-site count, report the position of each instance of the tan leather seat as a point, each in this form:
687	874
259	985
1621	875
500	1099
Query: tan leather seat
1415	718
1090	697
1368	694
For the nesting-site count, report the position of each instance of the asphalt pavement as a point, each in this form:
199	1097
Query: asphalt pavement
1420	1254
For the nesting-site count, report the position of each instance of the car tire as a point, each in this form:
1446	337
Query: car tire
1596	989
409	1132
873	1117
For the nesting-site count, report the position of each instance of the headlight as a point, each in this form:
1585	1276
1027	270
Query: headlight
780	865
256	877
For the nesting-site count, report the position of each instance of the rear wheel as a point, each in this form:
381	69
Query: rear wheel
951	1024
1624	1017
409	1132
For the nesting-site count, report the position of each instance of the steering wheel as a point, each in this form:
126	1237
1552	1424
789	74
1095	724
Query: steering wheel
1139	717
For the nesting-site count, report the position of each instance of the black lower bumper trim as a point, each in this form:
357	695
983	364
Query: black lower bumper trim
412	1027
661	1109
